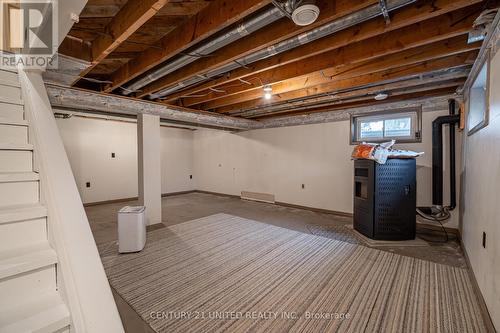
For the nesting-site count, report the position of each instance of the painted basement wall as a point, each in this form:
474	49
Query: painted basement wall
279	160
90	142
481	208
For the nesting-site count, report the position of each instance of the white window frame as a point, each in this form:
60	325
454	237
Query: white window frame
416	124
484	113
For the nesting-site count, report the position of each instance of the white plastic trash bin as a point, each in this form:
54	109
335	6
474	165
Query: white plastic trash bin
131	229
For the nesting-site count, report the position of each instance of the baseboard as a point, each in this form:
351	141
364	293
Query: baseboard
482	304
177	193
217	193
317	210
96	203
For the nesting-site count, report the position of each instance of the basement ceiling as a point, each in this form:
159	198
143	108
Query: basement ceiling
218	56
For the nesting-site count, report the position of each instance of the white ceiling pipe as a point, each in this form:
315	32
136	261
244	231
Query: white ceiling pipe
243	29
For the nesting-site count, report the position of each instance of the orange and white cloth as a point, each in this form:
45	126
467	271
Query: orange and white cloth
381	152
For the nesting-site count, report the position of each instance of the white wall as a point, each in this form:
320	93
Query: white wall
481	211
279	160
90	142
275	161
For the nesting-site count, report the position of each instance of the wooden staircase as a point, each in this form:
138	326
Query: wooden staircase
29	296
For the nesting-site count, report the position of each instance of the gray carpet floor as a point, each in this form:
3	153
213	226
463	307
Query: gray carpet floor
225	273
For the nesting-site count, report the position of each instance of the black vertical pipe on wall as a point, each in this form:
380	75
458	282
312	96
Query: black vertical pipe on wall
453	185
437	156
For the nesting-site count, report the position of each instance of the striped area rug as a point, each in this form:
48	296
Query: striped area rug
225	273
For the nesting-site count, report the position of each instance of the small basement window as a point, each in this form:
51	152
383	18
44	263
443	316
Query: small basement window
478	100
400	125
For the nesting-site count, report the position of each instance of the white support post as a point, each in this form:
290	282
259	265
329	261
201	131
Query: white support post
148	140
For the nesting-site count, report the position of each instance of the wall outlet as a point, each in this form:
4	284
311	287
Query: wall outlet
484	239
190	176
113	155
303	186
87	184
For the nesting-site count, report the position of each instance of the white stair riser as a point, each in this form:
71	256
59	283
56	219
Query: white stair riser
16	161
22	233
9	77
11	111
18	193
29	286
10	94
13	134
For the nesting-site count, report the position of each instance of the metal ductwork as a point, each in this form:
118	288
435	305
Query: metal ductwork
307	37
248	27
205	49
482	25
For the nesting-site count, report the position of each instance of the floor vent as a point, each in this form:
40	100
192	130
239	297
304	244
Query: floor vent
254	196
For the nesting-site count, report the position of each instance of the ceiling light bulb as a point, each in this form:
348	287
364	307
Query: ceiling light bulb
268	88
381	96
267	95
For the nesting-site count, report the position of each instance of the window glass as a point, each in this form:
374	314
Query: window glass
372	129
478	101
401	126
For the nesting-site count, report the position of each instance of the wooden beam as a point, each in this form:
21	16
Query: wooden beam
272	34
359	81
426	32
409	85
358	96
439	103
369	102
401	59
73	98
405	17
213	18
76	48
243	109
130	18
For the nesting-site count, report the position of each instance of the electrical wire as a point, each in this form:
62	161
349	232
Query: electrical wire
440	216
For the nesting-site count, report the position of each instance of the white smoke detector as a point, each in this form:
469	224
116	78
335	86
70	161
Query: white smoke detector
305	14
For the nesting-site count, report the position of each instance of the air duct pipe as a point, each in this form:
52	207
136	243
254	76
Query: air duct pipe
307	37
325	30
241	30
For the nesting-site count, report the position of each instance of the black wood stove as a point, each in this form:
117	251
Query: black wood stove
385	199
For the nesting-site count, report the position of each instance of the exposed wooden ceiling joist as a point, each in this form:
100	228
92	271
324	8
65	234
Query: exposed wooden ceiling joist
332	86
130	18
395	63
426	103
366	102
395	88
213	18
342	70
438	89
424	33
404	17
272	34
367	90
76	48
109	8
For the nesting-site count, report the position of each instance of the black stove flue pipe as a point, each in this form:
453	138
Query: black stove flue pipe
437	157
